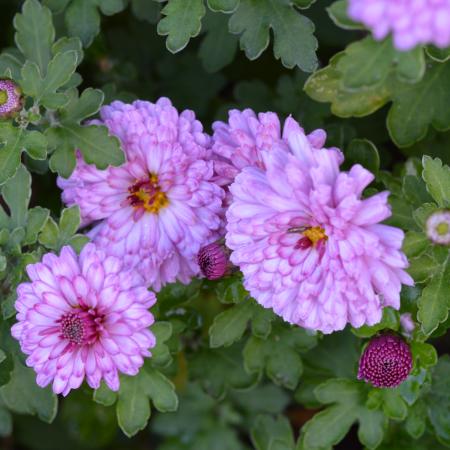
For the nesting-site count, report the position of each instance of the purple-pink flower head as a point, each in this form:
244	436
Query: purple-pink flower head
438	227
10	98
213	261
386	361
83	317
238	143
161	206
308	245
411	22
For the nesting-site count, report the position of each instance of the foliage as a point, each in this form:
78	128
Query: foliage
226	373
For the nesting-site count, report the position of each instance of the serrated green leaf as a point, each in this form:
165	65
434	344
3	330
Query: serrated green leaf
433	304
418	106
161	390
415	191
423	268
66	44
83	20
11	62
17	193
269	433
415	244
15	141
294	42
364	152
338	14
37	217
394	406
218	47
182	21
437	178
22	395
35	33
225	6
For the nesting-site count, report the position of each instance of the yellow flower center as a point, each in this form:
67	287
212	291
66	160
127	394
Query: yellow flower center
148	195
3	97
442	228
315	234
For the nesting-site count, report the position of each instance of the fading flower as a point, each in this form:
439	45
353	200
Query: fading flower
386	361
83	317
159	208
308	245
438	227
10	98
411	22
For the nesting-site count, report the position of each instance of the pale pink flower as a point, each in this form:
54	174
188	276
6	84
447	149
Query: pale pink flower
308	245
438	227
83	317
411	22
159	208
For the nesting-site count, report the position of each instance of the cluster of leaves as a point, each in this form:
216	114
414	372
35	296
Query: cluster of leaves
226	373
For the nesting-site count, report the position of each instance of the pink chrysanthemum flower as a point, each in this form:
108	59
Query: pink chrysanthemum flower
386	361
161	206
238	143
308	245
83	317
10	98
412	22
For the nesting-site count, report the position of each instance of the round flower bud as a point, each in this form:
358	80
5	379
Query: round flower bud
438	227
213	261
10	98
386	361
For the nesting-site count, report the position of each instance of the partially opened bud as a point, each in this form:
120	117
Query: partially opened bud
438	227
213	261
10	98
386	361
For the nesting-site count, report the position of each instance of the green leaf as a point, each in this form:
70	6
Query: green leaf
44	90
423	268
328	427
394	406
364	152
35	33
133	406
14	141
437	179
230	290
104	396
225	6
23	396
415	190
17	193
438	400
278	356
417	106
83	20
218	47
338	14
368	62
438	54
5	420
324	85
389	320
425	353
110	7
229	326
269	433
415	244
433	304
294	42
220	369
146	10
37	217
183	21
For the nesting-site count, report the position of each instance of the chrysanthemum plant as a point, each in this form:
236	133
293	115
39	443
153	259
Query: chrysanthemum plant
226	254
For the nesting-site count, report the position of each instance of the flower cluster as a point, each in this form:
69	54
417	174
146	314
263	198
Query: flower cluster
309	246
412	22
10	98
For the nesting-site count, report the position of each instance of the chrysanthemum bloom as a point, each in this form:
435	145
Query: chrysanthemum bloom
83	317
213	261
411	22
438	227
161	206
238	143
386	361
407	323
308	245
10	98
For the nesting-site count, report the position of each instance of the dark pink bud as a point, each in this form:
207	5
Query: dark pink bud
386	361
213	261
